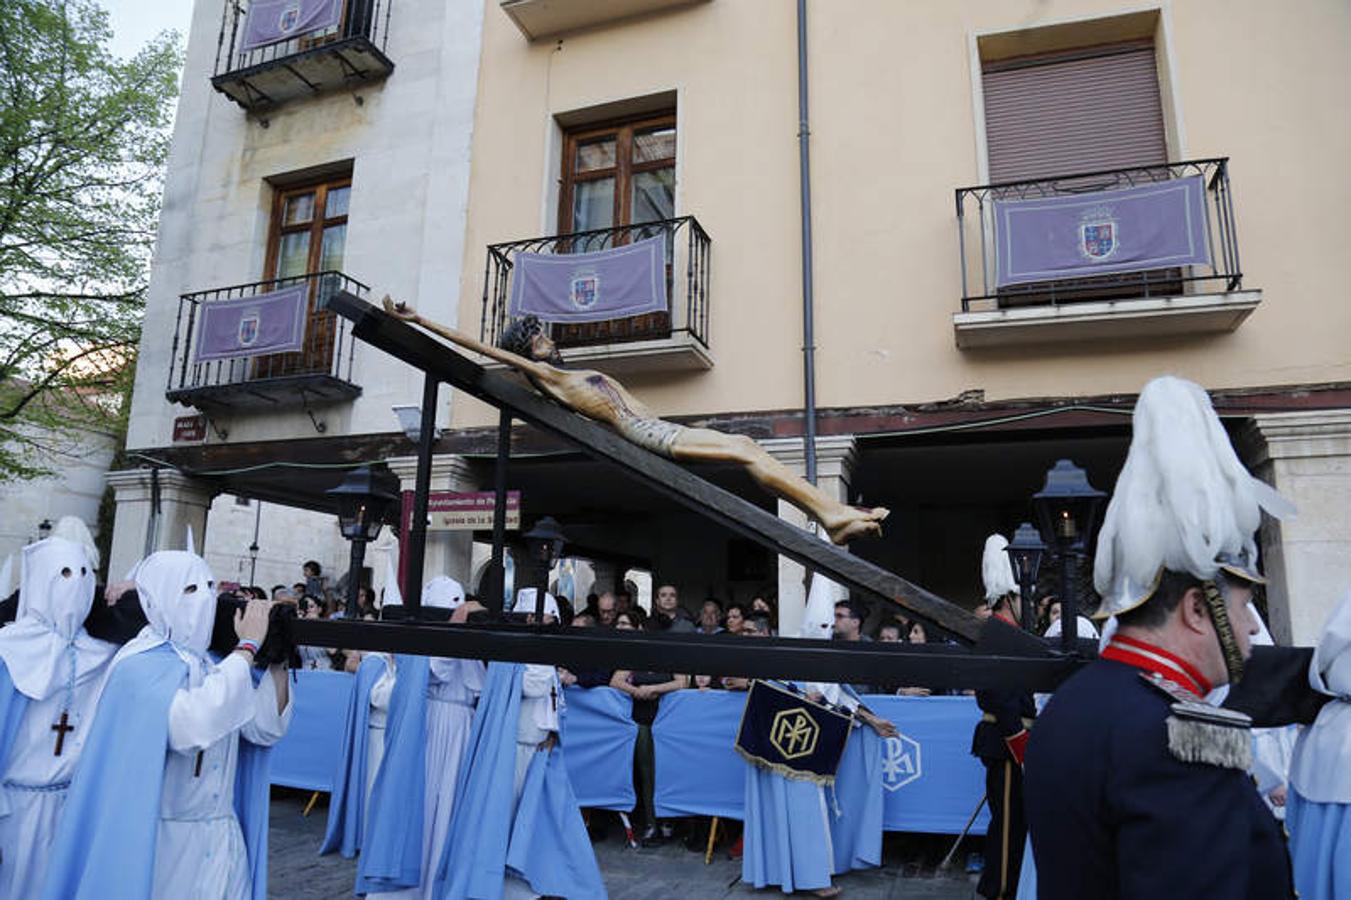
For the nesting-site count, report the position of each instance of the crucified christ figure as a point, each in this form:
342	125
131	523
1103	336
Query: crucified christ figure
526	348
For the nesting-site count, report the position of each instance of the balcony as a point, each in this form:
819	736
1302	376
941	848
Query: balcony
285	51
1122	253
547	18
676	339
318	373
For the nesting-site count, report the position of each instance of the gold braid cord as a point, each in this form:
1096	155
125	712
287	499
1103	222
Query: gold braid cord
1224	630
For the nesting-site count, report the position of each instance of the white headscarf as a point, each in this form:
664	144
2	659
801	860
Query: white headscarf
1319	769
1182	500
47	638
178	595
444	592
996	569
525	602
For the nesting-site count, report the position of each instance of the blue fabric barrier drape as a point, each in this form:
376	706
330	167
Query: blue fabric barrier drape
930	780
597	736
308	756
698	771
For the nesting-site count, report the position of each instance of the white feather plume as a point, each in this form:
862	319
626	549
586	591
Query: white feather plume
1182	499
996	570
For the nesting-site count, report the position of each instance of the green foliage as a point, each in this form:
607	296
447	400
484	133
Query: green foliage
83	141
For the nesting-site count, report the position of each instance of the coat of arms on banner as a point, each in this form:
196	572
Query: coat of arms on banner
290	18
250	326
585	290
900	762
1098	234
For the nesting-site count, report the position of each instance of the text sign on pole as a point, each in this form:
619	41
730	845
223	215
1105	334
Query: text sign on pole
462	511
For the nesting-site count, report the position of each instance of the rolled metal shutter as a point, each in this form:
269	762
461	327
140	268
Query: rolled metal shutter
1058	116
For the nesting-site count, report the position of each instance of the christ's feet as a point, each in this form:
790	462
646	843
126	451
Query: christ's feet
855	523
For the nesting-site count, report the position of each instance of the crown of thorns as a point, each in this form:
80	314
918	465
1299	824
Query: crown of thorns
519	336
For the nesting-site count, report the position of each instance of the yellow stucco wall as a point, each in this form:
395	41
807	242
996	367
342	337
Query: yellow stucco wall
894	131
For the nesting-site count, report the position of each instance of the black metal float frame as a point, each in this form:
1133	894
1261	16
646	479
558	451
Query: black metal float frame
995	655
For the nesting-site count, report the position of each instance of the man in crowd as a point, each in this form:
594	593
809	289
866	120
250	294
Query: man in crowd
606	610
667	613
849	617
1000	739
710	616
153	803
1136	787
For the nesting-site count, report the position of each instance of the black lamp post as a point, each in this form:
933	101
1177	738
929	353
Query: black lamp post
544	545
364	500
253	561
44	529
1025	552
1067	513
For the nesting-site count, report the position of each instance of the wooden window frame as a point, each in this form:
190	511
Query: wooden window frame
622	171
277	228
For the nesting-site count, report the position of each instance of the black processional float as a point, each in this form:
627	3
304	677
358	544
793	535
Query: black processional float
989	653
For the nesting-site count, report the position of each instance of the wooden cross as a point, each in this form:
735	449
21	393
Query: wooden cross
197	769
61	728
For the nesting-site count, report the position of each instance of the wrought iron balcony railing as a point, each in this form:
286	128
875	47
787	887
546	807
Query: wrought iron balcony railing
687	274
320	372
978	240
266	65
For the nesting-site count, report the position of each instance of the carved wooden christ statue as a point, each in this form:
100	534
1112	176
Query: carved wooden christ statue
525	347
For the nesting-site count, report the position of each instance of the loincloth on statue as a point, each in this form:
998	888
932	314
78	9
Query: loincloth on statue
652	434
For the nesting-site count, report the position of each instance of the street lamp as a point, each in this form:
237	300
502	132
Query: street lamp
1067	512
253	562
364	500
1025	552
44	529
544	546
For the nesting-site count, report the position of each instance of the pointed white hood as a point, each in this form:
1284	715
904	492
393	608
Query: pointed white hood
178	594
818	620
56	591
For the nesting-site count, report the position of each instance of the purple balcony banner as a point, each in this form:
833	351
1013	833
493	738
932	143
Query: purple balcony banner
1154	226
270	21
273	322
590	287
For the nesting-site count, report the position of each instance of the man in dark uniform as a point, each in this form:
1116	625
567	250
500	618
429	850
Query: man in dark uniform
1000	740
1137	788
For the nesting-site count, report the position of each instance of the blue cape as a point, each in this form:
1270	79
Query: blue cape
111	817
253	802
347	806
391	844
545	842
12	707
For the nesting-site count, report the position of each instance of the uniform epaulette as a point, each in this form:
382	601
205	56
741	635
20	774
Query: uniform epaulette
1201	733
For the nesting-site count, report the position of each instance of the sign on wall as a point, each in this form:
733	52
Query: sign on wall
190	429
462	511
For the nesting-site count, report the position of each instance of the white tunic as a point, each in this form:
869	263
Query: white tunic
199	849
35	784
375	723
453	688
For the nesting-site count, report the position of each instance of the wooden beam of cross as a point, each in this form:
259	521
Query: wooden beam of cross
444	362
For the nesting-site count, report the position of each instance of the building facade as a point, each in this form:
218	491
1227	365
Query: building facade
955	358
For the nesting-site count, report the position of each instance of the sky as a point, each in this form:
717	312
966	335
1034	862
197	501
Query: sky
137	21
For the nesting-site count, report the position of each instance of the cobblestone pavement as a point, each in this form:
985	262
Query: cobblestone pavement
297	872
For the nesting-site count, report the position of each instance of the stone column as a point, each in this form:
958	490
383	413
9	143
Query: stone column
835	456
448	552
1307	457
140	529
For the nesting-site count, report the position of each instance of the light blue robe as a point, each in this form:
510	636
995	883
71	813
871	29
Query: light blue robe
542	838
1320	847
105	845
347	807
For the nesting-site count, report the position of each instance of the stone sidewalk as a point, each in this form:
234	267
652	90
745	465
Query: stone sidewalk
297	872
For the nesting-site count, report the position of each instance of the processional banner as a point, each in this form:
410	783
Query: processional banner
590	287
1135	229
271	21
781	730
273	322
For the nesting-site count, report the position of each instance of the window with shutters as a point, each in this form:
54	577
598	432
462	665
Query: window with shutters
1058	114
